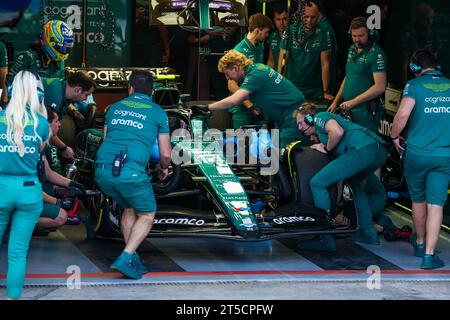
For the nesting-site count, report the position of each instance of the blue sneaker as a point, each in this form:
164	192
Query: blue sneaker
142	267
125	265
323	243
419	249
430	261
368	236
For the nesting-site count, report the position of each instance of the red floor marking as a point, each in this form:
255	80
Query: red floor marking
231	273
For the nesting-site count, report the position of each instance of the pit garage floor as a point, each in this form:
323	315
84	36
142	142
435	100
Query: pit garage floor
52	261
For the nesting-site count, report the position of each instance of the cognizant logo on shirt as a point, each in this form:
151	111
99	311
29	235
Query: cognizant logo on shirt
15	149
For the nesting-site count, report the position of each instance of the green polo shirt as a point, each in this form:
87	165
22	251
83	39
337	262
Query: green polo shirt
274	45
31	59
360	69
274	94
428	125
325	25
359	78
10	161
132	127
55	95
3	56
303	64
355	136
254	53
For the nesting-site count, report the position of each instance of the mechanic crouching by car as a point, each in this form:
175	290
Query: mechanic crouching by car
425	107
357	152
275	95
54	213
131	127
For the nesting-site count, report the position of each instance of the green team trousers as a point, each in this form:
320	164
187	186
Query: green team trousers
352	167
20	205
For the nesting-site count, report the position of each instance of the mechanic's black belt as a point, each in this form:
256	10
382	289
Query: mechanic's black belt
104	165
29	183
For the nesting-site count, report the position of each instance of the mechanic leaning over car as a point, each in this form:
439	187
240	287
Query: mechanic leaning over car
252	47
131	127
358	152
23	134
425	107
59	93
365	79
275	95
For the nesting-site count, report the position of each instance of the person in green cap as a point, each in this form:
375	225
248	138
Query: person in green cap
425	107
3	73
357	153
275	95
280	20
252	47
365	79
306	50
23	133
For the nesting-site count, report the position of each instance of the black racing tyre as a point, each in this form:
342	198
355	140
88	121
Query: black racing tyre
170	184
307	162
283	183
105	216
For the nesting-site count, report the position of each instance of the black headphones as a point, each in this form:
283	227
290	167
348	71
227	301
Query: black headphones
415	66
309	117
373	33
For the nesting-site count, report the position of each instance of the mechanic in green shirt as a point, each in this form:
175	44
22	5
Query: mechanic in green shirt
3	73
252	47
60	93
357	153
131	127
324	25
365	79
280	19
23	133
306	49
425	107
275	96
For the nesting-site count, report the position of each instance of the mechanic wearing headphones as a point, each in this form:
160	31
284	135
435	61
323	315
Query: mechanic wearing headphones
132	125
306	49
365	78
358	152
275	95
252	47
425	106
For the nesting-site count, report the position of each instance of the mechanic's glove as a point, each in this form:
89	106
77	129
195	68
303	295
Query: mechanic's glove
65	203
77	185
256	112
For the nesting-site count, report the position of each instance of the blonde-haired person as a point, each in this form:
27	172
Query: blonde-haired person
276	96
23	134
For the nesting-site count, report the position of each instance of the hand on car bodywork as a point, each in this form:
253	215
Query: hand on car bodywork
319	147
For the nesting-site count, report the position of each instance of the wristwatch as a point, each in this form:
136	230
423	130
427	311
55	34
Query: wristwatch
325	148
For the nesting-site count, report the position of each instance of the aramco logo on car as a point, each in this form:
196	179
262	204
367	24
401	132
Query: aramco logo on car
186	221
283	220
